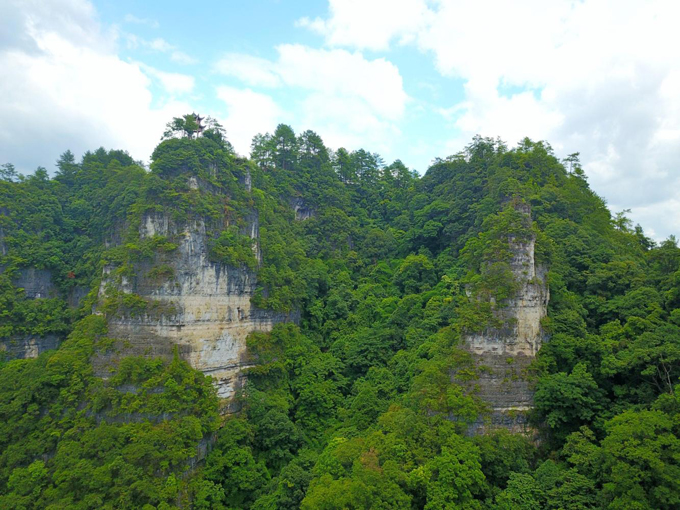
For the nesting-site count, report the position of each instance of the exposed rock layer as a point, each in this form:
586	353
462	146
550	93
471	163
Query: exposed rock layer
28	346
503	354
36	284
302	210
205	310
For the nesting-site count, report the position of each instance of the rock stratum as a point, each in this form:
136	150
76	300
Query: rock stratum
503	354
202	311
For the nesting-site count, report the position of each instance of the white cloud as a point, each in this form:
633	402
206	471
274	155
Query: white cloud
131	18
596	76
349	99
248	113
487	113
173	83
605	75
649	215
348	123
182	58
371	24
74	20
251	70
377	83
338	73
160	45
64	87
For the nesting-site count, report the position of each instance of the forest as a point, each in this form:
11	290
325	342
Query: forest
354	404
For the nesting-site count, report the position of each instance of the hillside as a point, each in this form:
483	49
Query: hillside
320	330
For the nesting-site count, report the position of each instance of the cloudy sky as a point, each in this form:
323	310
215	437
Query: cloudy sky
410	79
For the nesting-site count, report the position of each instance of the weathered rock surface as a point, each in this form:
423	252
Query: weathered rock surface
205	310
503	355
3	246
37	283
29	346
302	210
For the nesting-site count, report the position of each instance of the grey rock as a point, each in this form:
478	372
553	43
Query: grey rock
37	283
503	355
28	346
207	313
302	210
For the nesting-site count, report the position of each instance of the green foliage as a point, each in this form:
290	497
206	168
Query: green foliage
71	440
522	492
416	274
232	476
366	401
119	303
234	249
640	461
193	126
21	316
568	400
162	272
455	477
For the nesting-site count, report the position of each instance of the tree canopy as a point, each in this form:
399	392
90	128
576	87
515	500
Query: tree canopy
365	403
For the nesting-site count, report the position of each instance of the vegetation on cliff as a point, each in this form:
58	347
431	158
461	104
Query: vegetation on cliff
366	403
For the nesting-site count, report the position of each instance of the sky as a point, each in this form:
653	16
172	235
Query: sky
408	79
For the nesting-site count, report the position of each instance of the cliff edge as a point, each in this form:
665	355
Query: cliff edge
503	351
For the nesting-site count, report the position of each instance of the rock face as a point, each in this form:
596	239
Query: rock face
503	354
37	283
29	346
302	210
203	311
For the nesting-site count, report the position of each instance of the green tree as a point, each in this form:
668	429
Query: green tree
522	493
8	172
641	461
568	401
456	477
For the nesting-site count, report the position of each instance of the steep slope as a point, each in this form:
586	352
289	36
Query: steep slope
201	308
401	328
504	351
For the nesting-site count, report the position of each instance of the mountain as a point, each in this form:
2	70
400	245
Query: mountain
316	329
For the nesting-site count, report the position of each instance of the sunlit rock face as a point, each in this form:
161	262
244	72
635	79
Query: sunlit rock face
203	311
504	354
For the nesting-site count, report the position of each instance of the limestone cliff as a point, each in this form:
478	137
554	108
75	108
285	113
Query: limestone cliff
200	307
37	283
503	354
34	284
302	210
27	346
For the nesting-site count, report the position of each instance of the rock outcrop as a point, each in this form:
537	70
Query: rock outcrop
36	284
302	210
28	346
503	354
201	309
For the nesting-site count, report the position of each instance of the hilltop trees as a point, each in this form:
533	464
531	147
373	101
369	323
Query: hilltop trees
192	126
366	402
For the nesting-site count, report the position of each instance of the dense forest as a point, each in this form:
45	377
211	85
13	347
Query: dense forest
353	405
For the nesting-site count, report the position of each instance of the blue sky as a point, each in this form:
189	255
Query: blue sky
409	79
204	34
